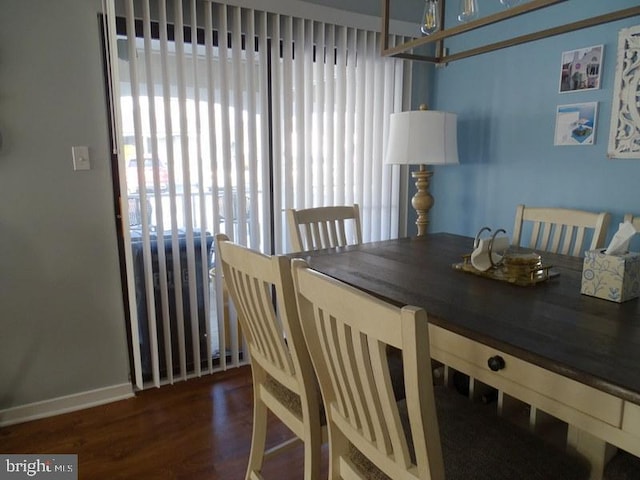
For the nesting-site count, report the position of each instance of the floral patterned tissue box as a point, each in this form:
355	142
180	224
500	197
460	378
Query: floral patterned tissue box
612	277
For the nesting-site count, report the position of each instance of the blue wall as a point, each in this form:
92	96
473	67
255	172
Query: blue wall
506	104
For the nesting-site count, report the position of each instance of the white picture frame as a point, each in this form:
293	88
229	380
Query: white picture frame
581	69
576	124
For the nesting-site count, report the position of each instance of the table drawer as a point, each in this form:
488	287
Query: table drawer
474	356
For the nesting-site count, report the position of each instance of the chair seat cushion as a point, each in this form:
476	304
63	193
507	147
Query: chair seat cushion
291	400
479	445
623	466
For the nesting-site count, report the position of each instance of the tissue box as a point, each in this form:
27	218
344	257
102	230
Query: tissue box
612	277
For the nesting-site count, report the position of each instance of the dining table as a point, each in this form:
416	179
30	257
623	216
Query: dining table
565	355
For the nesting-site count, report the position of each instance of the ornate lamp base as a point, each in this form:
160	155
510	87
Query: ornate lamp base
422	201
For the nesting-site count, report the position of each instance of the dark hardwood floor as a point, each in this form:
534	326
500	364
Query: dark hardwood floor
200	429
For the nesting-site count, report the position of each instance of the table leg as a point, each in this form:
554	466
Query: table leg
595	450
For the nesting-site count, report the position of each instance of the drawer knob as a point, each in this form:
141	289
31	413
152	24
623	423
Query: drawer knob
496	363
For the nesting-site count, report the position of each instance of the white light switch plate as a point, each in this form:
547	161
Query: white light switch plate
81	158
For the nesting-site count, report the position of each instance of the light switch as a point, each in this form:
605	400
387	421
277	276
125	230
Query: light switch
80	158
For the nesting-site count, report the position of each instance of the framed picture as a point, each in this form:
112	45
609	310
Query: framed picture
576	124
580	69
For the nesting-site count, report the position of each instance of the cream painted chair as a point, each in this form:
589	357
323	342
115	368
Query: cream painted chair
324	227
634	219
560	230
283	378
432	434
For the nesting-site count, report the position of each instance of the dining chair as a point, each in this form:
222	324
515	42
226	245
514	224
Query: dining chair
560	230
434	433
633	219
261	289
324	227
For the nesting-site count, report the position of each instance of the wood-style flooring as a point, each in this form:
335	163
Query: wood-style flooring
199	429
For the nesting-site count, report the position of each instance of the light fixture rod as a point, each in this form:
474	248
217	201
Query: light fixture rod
403	50
550	32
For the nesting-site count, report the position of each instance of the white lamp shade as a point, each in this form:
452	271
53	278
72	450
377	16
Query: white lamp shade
422	137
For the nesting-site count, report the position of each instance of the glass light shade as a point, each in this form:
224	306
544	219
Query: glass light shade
468	10
509	3
430	17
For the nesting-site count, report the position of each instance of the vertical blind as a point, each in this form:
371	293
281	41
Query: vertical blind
223	118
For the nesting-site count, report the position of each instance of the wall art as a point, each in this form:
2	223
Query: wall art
580	69
624	134
576	124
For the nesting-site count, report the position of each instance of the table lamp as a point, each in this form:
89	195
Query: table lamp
422	137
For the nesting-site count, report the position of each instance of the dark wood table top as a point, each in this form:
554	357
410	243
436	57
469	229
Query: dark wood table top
591	340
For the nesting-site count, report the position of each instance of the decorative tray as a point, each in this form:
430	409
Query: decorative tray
527	277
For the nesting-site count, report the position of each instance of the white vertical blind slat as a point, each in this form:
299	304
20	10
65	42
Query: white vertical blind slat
152	339
239	88
200	289
385	196
202	217
350	117
277	134
166	67
213	80
266	212
252	133
186	185
308	79
359	128
162	273
377	160
369	89
288	95
318	154
225	122
341	160
328	116
299	104
237	83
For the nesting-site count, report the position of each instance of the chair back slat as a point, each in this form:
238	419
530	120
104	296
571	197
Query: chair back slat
579	241
347	333
324	227
254	303
633	219
561	230
261	288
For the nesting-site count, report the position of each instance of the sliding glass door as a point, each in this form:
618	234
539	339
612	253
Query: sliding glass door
224	117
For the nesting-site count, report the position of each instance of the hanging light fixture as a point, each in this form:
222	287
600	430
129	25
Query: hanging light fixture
468	10
430	17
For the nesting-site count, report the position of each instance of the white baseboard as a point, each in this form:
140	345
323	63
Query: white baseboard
68	403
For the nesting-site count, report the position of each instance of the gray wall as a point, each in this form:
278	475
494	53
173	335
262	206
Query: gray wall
62	326
62	323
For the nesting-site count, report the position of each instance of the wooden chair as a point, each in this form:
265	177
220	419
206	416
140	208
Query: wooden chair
633	219
323	227
561	230
432	434
284	382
